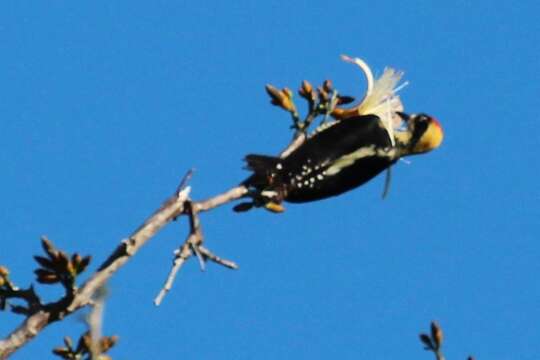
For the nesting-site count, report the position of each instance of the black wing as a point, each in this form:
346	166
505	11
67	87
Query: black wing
312	172
343	138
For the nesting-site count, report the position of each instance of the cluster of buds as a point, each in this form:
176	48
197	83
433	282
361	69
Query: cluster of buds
322	100
379	99
58	266
325	95
84	346
433	342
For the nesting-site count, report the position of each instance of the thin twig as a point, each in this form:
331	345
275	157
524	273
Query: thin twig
200	257
95	323
35	323
172	207
180	258
439	355
181	255
28	295
185	181
211	256
297	141
192	245
170	210
233	194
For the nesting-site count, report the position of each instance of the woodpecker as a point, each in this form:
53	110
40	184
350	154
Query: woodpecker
339	158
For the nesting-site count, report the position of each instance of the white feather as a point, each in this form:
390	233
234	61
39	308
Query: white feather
381	98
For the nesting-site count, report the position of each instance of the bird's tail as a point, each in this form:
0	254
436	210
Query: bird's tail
264	169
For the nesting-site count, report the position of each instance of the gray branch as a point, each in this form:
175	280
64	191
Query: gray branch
170	210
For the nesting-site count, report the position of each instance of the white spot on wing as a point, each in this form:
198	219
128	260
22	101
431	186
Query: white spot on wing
268	193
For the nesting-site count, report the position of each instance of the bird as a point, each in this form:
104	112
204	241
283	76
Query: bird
342	156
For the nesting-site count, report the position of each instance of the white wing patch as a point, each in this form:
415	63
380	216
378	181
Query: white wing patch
381	97
349	159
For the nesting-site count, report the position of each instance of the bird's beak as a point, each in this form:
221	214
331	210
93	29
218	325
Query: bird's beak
403	116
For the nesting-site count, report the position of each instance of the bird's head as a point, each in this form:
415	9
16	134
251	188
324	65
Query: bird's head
425	133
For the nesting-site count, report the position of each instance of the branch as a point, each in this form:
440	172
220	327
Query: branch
221	199
192	245
322	101
170	210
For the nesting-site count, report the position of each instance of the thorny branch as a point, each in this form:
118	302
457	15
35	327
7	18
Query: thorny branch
322	101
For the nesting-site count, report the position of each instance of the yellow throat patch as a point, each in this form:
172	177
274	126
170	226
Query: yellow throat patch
431	139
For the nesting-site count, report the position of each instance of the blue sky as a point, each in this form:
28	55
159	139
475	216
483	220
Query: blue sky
105	105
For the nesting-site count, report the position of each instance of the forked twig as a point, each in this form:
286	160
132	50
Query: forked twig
192	245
